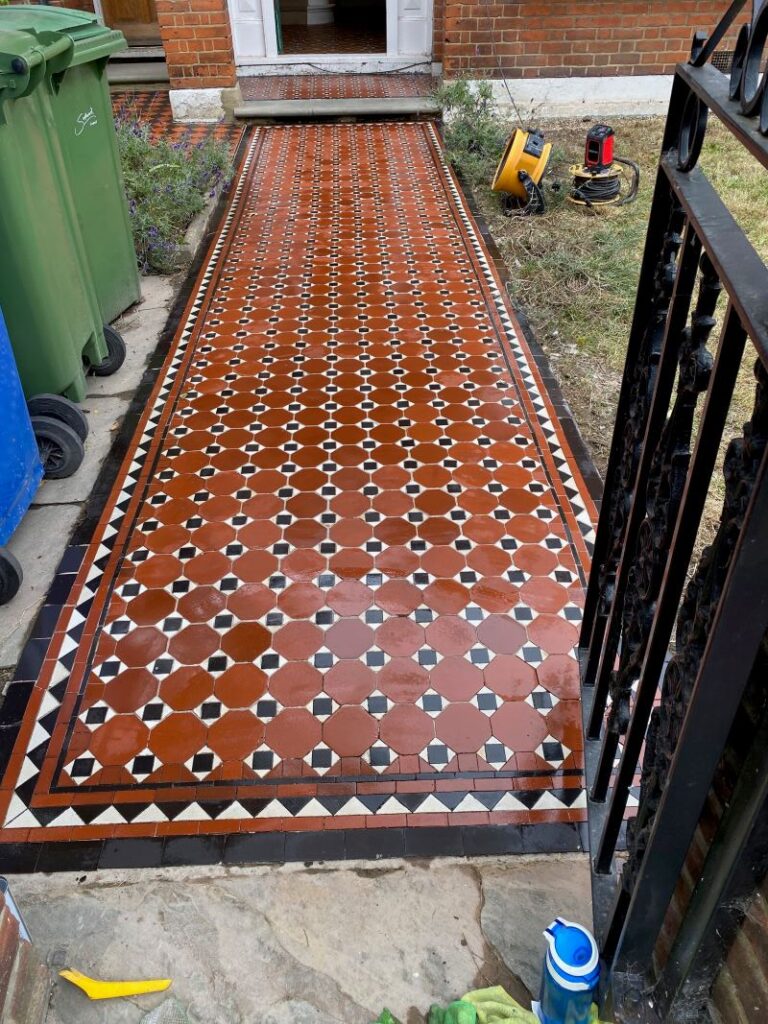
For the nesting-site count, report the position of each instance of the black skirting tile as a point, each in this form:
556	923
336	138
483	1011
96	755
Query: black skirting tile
69	856
309	846
258	848
492	840
375	843
132	853
188	851
555	837
19	858
434	842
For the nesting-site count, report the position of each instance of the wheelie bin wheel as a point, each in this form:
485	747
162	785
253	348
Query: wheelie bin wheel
57	407
61	450
115	353
11	576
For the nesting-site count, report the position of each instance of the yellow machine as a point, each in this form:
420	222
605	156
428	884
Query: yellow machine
522	166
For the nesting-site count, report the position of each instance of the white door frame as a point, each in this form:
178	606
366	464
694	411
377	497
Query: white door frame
271	62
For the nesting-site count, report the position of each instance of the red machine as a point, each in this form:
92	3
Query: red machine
598	152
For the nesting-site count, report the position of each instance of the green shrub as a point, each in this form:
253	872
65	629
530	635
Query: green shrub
167	185
474	132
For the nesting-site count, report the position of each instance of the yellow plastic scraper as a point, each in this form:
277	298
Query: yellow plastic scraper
114	989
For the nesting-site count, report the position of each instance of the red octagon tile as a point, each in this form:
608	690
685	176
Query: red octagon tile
403	680
519	726
407	729
463	728
560	675
235	735
194	644
177	738
150	607
130	690
553	634
119	740
501	634
398	597
246	641
456	678
293	733
349	638
349	682
510	677
141	646
186	688
400	637
297	641
450	635
350	731
240	686
296	684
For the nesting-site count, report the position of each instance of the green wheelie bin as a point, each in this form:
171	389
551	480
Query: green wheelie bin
82	112
46	291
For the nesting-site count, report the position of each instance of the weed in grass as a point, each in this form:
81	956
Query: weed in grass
166	186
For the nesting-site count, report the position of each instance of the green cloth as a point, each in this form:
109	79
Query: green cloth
386	1017
496	1006
460	1012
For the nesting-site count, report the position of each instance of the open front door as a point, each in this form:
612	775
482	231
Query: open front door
136	19
414	28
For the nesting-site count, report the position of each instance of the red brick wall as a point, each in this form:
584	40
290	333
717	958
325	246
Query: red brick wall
197	38
564	39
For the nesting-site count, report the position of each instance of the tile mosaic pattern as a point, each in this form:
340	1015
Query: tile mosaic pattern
154	109
335	87
338	582
333	39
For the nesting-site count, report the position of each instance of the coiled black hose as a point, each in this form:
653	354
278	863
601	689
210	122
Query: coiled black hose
596	191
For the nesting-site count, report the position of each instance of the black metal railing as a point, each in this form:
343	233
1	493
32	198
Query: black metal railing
670	645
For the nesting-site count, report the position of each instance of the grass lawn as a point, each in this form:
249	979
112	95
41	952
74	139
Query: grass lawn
574	271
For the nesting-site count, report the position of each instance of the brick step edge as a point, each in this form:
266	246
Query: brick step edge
25	981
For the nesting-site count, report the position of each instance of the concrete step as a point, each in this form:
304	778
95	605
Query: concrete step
138	53
391	106
137	73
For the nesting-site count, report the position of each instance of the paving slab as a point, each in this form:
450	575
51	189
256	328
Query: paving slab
42	538
294	944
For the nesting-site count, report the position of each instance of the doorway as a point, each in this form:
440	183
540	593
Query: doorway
136	19
333	26
364	36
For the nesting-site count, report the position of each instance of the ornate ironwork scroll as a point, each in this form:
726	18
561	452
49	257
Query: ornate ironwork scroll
742	460
640	398
666	481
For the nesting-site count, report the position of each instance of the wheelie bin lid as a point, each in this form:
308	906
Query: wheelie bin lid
81	34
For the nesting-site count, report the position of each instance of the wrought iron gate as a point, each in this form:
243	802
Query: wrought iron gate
669	650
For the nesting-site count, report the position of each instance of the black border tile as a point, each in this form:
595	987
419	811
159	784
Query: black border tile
255	848
74	856
439	841
492	840
375	843
192	851
131	853
314	846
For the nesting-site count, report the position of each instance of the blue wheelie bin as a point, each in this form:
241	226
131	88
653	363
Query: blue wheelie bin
21	468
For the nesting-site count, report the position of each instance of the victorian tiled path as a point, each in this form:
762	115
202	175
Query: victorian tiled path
333	598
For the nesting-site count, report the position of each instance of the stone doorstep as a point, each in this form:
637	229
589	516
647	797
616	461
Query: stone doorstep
25	982
390	106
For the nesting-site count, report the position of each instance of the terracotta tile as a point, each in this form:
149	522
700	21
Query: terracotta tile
407	729
296	684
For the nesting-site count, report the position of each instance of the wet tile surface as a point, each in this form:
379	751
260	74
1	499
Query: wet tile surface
335	87
153	109
339	580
